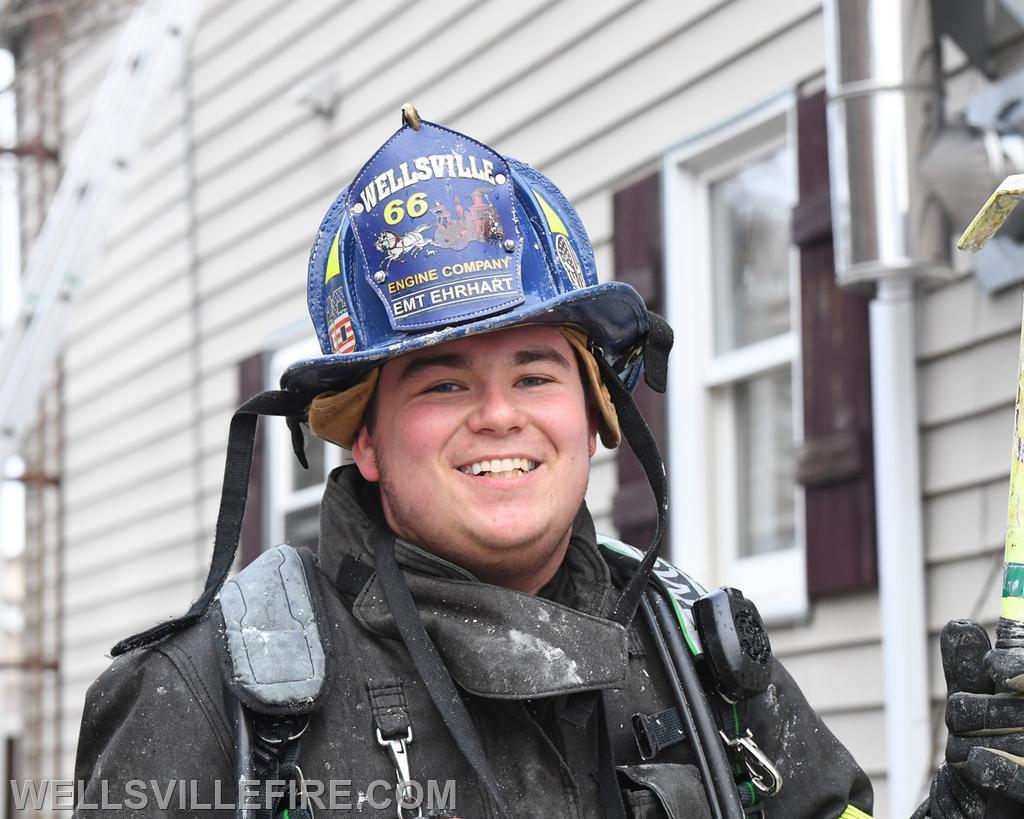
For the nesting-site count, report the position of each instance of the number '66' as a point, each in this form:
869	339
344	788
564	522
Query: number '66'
396	209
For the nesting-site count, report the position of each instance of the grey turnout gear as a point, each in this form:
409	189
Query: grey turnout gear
985	748
527	668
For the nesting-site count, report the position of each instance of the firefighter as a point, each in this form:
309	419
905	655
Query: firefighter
462	642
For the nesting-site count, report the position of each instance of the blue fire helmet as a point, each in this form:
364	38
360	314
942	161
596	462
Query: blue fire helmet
439	237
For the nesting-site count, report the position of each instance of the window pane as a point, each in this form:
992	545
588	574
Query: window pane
750	212
302	527
314	476
766	461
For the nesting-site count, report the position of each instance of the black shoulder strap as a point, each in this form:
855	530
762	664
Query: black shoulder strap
430	666
238	462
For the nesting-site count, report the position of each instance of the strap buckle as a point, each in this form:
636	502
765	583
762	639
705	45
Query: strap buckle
281	730
656	732
399	751
763	774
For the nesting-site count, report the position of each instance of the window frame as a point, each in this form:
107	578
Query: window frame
703	479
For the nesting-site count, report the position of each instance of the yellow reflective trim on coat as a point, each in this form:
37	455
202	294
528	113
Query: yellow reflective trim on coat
554	221
852	812
333	265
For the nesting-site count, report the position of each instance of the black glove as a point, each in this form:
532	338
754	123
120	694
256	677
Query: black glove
985	749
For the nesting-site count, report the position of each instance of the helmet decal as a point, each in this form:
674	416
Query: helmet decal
562	246
339	323
434	220
567	258
333	262
555	223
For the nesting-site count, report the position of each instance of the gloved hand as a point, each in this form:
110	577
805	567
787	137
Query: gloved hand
985	749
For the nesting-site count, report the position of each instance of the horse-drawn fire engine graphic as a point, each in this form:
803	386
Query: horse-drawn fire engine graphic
394	247
454	229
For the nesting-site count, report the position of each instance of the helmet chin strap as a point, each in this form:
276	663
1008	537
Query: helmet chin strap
635	430
235	489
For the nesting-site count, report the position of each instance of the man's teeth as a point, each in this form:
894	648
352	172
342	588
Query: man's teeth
500	467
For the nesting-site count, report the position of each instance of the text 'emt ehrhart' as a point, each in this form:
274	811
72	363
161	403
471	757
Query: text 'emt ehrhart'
464	291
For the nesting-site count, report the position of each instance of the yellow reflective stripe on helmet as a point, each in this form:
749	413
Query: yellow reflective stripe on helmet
554	222
854	813
333	265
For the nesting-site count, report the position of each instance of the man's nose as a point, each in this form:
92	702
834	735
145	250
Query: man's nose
496	411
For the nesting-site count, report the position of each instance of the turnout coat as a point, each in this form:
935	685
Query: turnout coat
526	667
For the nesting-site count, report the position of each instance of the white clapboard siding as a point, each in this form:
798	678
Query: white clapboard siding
968	451
961	523
959	314
970	380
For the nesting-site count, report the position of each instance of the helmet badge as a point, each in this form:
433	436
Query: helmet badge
433	213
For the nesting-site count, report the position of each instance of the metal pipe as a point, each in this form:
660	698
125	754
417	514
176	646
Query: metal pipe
195	305
900	545
60	446
58	579
34	148
884	107
35	636
28	664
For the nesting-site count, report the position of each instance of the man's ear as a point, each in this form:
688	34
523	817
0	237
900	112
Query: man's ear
592	422
365	456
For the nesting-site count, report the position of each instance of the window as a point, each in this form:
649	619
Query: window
732	293
293	511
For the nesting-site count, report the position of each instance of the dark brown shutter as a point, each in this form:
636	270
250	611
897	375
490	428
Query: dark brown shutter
251	374
636	214
835	464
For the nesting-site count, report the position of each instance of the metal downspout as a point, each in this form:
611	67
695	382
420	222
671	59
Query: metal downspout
884	106
900	545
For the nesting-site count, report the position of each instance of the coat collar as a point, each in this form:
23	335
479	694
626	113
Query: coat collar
496	642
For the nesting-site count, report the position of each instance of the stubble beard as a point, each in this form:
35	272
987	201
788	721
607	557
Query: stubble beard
506	558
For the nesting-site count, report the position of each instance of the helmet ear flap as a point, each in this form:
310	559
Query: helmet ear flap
597	391
337	416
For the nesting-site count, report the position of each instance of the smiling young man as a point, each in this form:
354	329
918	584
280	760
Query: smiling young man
482	450
461	625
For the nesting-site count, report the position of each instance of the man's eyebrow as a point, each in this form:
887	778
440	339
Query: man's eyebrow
535	354
416	366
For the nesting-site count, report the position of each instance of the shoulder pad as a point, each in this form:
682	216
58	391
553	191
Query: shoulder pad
277	662
683	589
